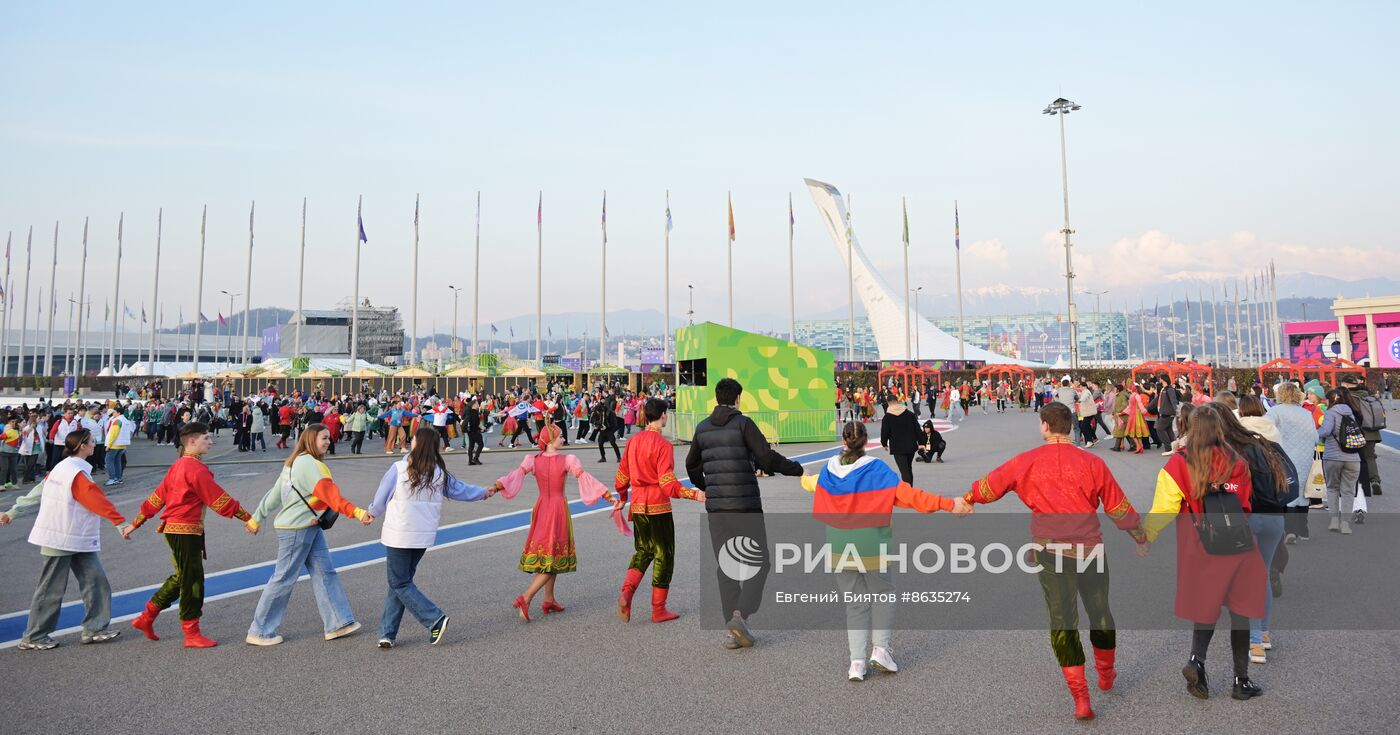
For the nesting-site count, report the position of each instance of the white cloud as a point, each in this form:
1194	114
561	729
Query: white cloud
989	252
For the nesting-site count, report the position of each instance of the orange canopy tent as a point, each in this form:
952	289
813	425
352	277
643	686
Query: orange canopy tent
1010	372
1196	374
908	377
1281	365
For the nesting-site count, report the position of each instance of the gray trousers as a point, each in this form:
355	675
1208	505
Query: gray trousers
865	618
1341	483
53	582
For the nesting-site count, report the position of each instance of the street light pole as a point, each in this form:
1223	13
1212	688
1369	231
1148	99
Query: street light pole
690	315
456	291
1061	107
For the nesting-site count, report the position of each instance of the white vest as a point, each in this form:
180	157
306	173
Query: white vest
63	522
125	427
411	519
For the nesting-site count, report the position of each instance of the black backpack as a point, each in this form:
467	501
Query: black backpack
1222	525
1350	438
1266	498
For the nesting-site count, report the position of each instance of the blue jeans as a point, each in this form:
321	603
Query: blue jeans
1268	530
401	564
116	463
302	550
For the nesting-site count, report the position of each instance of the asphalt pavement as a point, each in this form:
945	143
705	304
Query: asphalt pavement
584	671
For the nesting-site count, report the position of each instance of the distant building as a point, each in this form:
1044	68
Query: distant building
1039	337
326	333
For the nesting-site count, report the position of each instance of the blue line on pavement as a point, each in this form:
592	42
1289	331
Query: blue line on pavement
130	603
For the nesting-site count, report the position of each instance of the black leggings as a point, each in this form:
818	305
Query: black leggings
1239	642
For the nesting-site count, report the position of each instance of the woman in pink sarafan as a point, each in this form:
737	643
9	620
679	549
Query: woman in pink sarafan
549	546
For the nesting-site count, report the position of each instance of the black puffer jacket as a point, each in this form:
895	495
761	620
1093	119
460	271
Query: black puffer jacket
727	448
899	431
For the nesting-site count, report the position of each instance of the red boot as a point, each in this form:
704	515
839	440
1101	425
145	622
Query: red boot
146	621
659	613
1103	663
629	588
1079	689
193	638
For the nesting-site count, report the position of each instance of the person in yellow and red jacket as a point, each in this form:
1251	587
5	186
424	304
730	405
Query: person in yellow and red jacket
188	488
647	467
299	499
1064	486
855	497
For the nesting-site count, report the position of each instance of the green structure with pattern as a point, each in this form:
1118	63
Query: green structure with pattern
789	389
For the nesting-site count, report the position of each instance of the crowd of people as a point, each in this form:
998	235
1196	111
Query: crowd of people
1239	473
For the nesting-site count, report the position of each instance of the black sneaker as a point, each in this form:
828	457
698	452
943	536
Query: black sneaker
1245	689
385	643
1195	673
436	632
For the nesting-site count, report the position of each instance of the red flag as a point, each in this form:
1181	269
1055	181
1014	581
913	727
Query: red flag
222	321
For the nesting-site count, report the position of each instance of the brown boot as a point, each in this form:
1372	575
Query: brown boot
629	588
193	638
659	613
1079	689
146	621
1103	663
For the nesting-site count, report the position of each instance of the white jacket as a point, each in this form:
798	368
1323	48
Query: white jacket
63	522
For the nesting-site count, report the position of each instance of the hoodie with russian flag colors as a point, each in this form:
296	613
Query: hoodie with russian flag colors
856	501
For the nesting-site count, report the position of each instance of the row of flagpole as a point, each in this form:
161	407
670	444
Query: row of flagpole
1259	306
1253	329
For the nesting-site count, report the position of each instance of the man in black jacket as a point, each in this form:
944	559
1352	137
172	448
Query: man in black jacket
1167	401
727	448
900	435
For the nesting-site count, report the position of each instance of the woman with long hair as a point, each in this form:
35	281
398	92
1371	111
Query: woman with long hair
1275	486
1133	418
300	498
71	509
1341	468
549	545
1206	582
409	500
188	488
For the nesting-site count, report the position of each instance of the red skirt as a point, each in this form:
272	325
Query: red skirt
1205	583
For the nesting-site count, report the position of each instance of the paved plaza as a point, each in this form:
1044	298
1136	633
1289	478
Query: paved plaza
584	671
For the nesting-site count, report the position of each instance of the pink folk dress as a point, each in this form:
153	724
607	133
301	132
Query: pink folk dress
549	547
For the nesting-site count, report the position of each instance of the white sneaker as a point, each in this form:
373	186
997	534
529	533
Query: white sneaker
857	672
1167	453
881	660
254	640
342	631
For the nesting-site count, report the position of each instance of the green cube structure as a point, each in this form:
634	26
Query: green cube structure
789	389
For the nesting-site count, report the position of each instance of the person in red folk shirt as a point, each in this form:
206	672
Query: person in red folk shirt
1205	472
188	488
286	416
1064	486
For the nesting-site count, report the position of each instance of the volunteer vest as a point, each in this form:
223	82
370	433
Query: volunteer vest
411	519
63	522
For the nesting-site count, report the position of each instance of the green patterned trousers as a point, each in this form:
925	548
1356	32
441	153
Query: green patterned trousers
655	539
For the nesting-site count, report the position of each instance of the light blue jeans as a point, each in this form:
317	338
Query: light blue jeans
1268	529
302	551
401	564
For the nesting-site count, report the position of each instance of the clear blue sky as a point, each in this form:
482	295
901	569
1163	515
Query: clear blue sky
1211	132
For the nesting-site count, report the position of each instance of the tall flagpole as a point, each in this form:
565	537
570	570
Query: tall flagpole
1175	349
850	287
199	288
792	275
1201	299
301	284
476	285
1273	300
68	351
117	292
5	299
247	291
1188	320
24	320
155	296
908	338
1214	325
1142	328
355	302
957	250
603	275
53	279
38	314
729	248
1239	333
539	283
413	338
666	295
